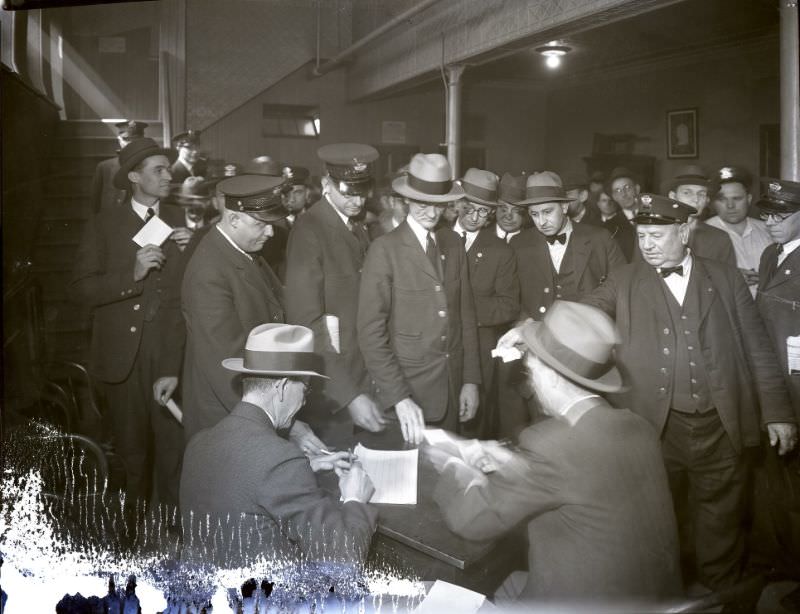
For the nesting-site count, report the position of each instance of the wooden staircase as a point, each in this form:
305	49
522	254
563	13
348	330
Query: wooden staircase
78	147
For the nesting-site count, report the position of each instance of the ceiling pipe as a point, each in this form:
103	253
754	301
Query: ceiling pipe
322	69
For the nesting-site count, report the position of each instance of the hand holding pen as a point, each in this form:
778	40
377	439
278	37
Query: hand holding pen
338	461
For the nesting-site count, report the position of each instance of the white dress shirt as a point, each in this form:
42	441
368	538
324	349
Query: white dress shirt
678	284
141	210
420	232
750	244
557	250
788	248
470	236
506	236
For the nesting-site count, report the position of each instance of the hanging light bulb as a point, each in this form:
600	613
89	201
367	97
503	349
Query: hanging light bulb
553	52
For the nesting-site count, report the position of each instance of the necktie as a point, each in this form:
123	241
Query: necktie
150	214
464	237
779	248
562	238
669	270
432	251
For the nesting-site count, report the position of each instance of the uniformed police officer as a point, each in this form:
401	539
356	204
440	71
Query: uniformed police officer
189	162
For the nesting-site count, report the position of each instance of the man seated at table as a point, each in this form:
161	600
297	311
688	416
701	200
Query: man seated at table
589	481
246	481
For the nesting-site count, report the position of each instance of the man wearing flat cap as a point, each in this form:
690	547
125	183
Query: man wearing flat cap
690	186
700	364
189	162
228	289
778	301
416	319
730	197
245	482
325	256
588	480
104	194
493	278
134	352
557	259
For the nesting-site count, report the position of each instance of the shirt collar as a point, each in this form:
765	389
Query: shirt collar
341	215
790	246
141	210
232	242
573	412
502	234
686	263
419	232
459	229
567	230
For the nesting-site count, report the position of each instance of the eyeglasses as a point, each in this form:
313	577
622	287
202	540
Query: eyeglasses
627	188
777	217
482	213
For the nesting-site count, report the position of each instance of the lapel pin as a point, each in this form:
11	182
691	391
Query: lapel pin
480	254
787	272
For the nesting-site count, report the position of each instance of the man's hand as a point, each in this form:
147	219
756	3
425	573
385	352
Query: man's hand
468	402
163	389
412	420
305	439
366	414
513	336
148	257
750	276
338	461
181	236
355	484
782	434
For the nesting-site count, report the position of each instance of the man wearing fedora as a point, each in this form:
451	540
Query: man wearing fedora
227	290
104	194
134	350
189	162
588	480
700	364
324	260
557	259
778	302
416	319
579	208
493	278
690	186
510	218
242	475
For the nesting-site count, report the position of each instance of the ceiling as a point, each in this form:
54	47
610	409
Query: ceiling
685	29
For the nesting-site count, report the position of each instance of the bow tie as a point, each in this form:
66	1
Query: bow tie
562	238
669	270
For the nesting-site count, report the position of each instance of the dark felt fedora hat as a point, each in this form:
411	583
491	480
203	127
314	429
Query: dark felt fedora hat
133	153
578	341
480	186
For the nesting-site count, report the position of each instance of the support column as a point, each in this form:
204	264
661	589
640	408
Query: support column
790	91
454	118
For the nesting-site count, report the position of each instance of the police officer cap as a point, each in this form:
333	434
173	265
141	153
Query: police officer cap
259	196
782	196
190	137
654	209
131	129
350	165
728	174
296	175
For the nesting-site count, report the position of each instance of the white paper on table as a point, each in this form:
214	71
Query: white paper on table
446	597
332	325
393	473
793	355
176	412
155	232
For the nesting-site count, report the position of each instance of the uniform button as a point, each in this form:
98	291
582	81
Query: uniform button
664	370
666	331
438	288
687	332
442	313
122	293
447	355
662	389
546	290
558	296
666	351
359	271
695	396
133	329
444	337
683	317
692	364
136	307
542	309
694	381
690	347
558	287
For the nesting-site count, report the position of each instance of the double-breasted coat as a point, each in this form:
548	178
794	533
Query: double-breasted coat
323	273
224	295
741	366
417	331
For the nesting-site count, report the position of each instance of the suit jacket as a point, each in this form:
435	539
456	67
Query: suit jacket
591	252
383	224
180	173
104	194
417	332
778	302
274	250
324	261
261	490
495	288
224	296
712	243
596	502
102	278
620	229
739	361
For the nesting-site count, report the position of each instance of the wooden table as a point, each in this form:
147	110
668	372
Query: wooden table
414	541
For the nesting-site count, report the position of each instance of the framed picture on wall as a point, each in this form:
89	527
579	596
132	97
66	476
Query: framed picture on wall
682	134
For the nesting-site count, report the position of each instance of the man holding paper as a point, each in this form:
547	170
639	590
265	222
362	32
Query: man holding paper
589	481
129	260
326	251
245	477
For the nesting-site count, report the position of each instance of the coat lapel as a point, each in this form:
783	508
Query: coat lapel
578	251
339	229
650	289
787	270
702	286
415	252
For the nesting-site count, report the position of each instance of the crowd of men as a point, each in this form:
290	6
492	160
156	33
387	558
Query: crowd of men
660	335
